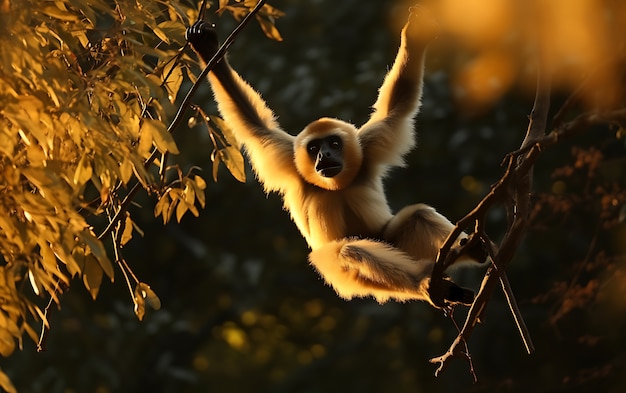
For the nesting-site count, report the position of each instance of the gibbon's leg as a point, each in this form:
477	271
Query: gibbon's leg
366	267
420	231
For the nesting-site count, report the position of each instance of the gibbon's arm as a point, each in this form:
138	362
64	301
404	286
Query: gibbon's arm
389	135
269	148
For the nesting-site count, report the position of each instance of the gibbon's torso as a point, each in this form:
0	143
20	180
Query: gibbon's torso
360	210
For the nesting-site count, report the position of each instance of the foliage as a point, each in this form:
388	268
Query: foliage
86	94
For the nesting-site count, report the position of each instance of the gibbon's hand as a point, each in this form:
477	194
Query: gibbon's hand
422	27
203	39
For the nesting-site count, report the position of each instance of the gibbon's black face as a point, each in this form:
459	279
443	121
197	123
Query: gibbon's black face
327	154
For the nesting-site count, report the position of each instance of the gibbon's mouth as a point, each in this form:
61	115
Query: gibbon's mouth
328	168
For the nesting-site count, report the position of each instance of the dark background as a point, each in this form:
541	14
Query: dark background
243	311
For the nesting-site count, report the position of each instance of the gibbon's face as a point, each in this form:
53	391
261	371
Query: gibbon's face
327	154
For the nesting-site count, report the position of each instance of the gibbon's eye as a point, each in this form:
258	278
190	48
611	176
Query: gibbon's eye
313	147
335	142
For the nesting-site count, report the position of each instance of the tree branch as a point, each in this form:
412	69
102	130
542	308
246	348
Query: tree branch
513	189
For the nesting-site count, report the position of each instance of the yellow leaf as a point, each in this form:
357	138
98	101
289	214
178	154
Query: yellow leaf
97	249
226	131
268	28
83	171
92	275
234	162
6	384
126	170
127	234
7	343
172	79
161	34
181	209
144	294
162	139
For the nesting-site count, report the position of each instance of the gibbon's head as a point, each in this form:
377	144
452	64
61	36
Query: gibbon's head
328	153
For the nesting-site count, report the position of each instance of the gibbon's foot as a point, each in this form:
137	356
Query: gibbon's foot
478	251
422	27
447	291
203	39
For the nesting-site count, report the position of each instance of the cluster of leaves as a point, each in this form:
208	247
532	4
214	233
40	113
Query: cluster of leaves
86	93
81	109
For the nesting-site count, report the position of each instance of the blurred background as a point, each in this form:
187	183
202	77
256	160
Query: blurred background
243	311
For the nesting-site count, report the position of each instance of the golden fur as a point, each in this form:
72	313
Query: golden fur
357	245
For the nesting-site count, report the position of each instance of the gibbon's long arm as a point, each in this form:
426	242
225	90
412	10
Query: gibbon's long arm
269	148
389	135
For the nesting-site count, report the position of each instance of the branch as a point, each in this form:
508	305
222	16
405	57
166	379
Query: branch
181	111
513	189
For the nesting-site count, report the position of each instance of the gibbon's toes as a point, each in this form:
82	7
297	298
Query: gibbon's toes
446	291
477	251
460	295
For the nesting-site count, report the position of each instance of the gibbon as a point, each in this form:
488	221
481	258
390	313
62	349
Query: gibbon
330	176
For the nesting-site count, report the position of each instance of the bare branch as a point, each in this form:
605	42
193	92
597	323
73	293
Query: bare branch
513	189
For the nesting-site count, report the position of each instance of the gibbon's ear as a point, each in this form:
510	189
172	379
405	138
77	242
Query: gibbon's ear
349	156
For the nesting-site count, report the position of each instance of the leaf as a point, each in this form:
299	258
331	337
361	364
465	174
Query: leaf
199	185
144	294
181	209
162	139
92	275
228	133
234	162
175	31
172	79
161	34
6	384
97	248
127	234
126	170
268	28
83	170
7	343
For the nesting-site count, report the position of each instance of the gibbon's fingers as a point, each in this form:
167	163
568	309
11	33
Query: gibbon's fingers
422	27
